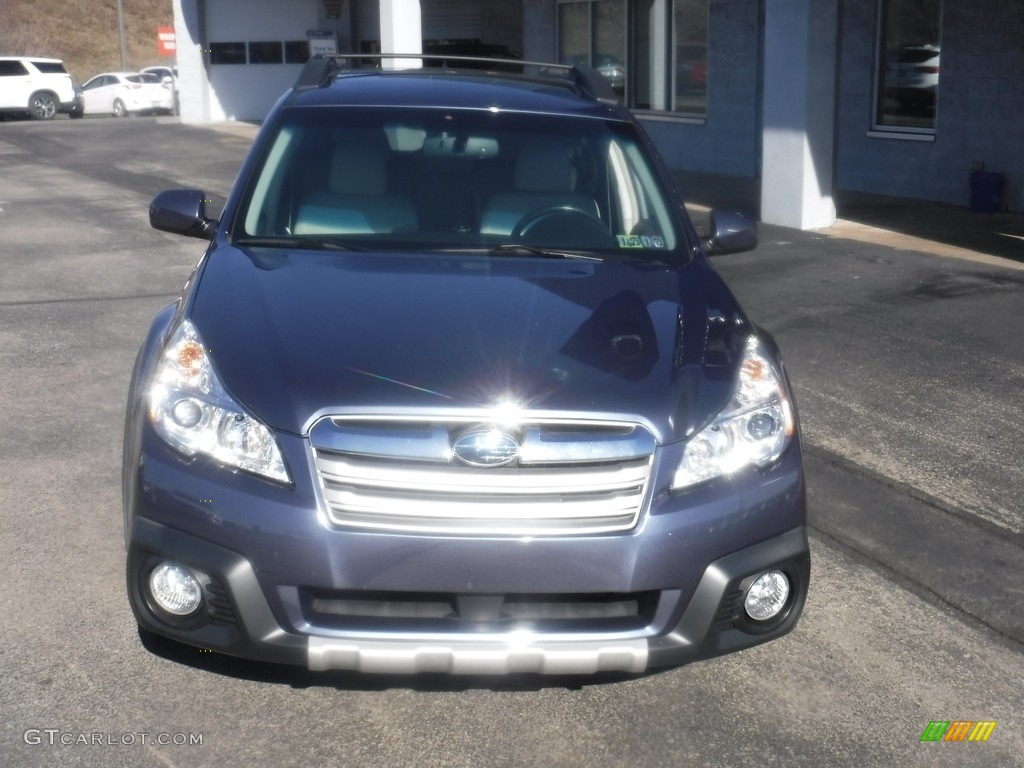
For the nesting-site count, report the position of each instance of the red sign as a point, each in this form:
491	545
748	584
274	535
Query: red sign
165	41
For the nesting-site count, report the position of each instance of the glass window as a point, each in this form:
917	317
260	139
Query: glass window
908	64
265	53
574	33
593	33
690	67
296	51
610	43
649	55
12	69
658	61
227	53
50	67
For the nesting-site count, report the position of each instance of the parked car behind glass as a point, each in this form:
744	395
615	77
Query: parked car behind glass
691	68
123	93
912	76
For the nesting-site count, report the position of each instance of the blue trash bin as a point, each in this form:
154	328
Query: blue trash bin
986	191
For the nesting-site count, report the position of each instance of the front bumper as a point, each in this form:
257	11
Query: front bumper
240	620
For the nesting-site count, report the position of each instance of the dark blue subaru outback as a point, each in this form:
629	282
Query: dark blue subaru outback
455	388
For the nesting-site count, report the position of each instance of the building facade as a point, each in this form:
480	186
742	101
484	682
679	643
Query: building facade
803	97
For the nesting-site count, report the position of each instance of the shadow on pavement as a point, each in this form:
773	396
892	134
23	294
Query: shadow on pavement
995	234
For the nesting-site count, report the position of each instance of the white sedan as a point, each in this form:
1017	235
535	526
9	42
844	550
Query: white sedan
124	93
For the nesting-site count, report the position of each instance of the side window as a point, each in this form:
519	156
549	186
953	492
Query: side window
12	69
50	67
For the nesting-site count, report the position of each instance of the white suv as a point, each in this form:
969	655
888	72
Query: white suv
41	87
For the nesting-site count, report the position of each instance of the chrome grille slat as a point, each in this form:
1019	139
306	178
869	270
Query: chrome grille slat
452	507
492	527
341	470
399	476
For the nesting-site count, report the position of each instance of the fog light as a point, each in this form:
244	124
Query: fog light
175	589
767	596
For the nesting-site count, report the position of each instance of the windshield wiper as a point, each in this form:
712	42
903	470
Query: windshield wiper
518	249
311	244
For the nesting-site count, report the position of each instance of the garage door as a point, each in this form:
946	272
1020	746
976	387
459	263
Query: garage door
249	68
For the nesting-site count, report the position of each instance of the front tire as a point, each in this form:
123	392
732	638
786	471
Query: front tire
43	106
119	109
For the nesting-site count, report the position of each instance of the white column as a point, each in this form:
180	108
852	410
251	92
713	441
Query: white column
800	52
400	32
193	82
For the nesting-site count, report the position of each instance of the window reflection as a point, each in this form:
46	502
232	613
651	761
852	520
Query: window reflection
691	56
610	43
909	63
574	33
660	65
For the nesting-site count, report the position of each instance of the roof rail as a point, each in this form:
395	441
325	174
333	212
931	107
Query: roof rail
322	68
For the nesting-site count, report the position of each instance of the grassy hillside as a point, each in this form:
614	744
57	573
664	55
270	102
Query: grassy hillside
84	32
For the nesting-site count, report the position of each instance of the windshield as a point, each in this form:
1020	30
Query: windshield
415	179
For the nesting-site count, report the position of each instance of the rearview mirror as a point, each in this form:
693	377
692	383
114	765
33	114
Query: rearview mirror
472	147
183	212
731	232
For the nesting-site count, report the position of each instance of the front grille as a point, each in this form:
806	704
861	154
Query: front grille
458	613
402	476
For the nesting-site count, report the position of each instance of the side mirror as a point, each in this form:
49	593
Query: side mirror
183	212
731	232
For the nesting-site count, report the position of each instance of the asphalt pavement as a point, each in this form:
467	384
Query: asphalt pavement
908	368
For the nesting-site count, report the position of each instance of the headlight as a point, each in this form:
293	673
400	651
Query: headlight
192	411
753	430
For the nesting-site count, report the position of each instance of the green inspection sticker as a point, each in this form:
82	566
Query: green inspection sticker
640	241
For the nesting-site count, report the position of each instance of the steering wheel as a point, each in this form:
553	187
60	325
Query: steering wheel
564	225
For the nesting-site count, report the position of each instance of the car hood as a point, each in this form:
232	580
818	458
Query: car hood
299	335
